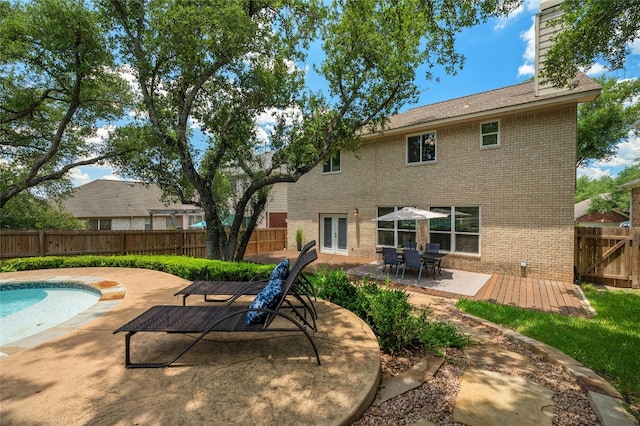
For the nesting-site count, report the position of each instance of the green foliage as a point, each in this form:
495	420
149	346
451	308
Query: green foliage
185	267
608	343
616	198
24	211
605	122
388	312
57	82
595	30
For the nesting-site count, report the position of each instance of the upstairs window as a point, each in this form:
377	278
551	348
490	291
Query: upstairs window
421	148
332	165
490	134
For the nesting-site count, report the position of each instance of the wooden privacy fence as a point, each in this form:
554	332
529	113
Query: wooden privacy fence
609	256
178	242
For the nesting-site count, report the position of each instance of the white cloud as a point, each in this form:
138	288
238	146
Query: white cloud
111	177
529	55
101	134
593	173
78	177
527	5
525	70
595	70
628	153
634	46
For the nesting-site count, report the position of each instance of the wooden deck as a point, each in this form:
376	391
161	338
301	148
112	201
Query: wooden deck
542	295
557	297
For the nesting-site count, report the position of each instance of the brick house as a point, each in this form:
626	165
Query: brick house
113	205
634	187
582	217
500	163
275	211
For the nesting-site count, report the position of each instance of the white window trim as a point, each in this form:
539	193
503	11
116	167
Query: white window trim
497	144
331	162
453	232
406	146
395	229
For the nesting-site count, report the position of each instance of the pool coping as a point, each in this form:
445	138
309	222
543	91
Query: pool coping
111	294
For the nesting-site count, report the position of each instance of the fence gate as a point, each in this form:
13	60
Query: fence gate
607	256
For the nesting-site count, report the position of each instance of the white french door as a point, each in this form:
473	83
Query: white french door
333	234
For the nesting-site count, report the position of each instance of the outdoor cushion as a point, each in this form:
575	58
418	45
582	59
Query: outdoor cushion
280	271
266	299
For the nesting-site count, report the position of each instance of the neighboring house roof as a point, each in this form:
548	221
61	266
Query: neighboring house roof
581	209
112	198
631	184
492	103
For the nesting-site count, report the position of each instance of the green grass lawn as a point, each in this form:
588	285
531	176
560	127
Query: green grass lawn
608	343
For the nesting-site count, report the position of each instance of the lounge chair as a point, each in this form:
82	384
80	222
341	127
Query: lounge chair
205	319
229	291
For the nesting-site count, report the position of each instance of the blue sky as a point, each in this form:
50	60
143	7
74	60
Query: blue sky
498	54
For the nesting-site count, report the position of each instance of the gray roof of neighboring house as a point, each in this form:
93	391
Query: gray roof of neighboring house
631	184
113	198
492	103
581	208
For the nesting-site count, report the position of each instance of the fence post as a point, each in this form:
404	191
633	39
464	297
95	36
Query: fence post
41	243
635	257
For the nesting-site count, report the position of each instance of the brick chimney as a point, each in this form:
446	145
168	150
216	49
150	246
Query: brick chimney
544	33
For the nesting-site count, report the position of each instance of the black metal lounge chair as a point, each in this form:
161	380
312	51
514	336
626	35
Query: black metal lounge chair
229	291
206	319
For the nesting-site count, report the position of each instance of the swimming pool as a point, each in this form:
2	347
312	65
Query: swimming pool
30	308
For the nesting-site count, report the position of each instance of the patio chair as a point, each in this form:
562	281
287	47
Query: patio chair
234	318
412	260
390	257
229	291
410	245
434	248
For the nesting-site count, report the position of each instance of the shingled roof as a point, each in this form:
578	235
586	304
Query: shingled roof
496	102
112	198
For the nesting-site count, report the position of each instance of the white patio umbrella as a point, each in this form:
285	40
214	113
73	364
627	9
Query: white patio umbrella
410	213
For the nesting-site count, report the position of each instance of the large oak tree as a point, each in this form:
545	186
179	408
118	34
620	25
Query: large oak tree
57	83
215	66
593	30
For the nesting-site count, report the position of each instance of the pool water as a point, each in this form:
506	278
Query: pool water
28	311
17	300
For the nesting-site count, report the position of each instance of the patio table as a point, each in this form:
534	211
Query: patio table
433	258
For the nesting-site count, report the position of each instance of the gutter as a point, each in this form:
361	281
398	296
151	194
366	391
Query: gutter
573	98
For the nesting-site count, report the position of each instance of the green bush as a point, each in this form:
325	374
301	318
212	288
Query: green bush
189	268
389	314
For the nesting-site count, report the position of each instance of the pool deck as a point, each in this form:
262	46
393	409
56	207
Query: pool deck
76	374
78	377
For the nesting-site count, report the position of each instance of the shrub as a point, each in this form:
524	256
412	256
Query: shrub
388	312
189	268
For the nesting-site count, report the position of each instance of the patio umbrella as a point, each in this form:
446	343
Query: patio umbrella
410	213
